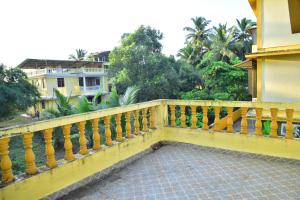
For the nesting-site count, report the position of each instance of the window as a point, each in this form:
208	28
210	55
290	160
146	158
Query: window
97	81
43	83
43	104
80	81
60	82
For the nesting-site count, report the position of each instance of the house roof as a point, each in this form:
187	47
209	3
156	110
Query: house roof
246	64
43	63
274	52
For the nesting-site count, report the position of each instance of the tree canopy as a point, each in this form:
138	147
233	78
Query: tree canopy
17	94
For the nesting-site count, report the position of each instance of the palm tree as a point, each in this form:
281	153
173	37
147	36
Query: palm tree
244	37
223	41
80	55
197	39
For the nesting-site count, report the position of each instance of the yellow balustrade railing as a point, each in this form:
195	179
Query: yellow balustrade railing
139	118
66	123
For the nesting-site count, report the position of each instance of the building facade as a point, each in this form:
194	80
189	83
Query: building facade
274	64
71	78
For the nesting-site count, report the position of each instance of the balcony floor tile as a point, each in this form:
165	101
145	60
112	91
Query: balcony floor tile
179	171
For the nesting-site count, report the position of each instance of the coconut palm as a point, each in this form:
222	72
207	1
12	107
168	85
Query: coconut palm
223	40
80	55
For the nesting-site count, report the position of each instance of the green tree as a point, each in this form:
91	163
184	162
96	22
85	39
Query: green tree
80	55
17	94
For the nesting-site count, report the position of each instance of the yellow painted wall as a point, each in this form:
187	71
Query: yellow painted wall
276	26
70	82
281	79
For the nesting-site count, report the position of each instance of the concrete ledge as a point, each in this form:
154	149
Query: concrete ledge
278	147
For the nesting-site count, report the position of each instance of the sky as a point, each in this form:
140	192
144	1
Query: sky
53	29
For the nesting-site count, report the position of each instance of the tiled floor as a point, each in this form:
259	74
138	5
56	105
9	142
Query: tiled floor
180	171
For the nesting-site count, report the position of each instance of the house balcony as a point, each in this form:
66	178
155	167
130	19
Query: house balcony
182	150
67	72
91	90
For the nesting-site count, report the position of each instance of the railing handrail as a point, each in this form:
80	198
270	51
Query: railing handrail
71	119
248	104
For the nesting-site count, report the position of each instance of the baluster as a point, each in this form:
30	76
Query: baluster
136	122
244	122
182	116
108	140
128	125
145	121
50	153
82	140
258	124
274	125
229	120
173	116
5	164
152	117
289	124
68	144
96	135
217	110
194	117
204	118
29	154
119	127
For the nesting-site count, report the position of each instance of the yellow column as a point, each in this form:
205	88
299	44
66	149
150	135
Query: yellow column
108	141
244	122
96	135
69	156
258	124
119	127
182	116
5	164
204	118
152	117
29	154
173	117
217	110
145	121
274	125
289	124
82	140
229	120
194	117
136	122
128	125
50	153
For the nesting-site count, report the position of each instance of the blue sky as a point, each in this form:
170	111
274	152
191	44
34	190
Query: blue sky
53	29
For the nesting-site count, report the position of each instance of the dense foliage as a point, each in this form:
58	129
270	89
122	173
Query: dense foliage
17	94
139	61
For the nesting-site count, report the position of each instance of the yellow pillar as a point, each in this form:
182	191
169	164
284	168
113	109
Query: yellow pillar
229	120
194	117
258	124
244	122
108	140
274	125
96	135
217	110
82	140
128	125
204	118
173	116
5	164
29	154
50	153
289	124
152	117
182	116
119	127
136	122
145	121
69	156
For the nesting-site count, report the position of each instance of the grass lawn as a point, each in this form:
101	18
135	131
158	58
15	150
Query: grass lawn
15	120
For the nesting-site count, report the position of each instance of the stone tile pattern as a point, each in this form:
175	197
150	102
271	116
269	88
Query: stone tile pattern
181	171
